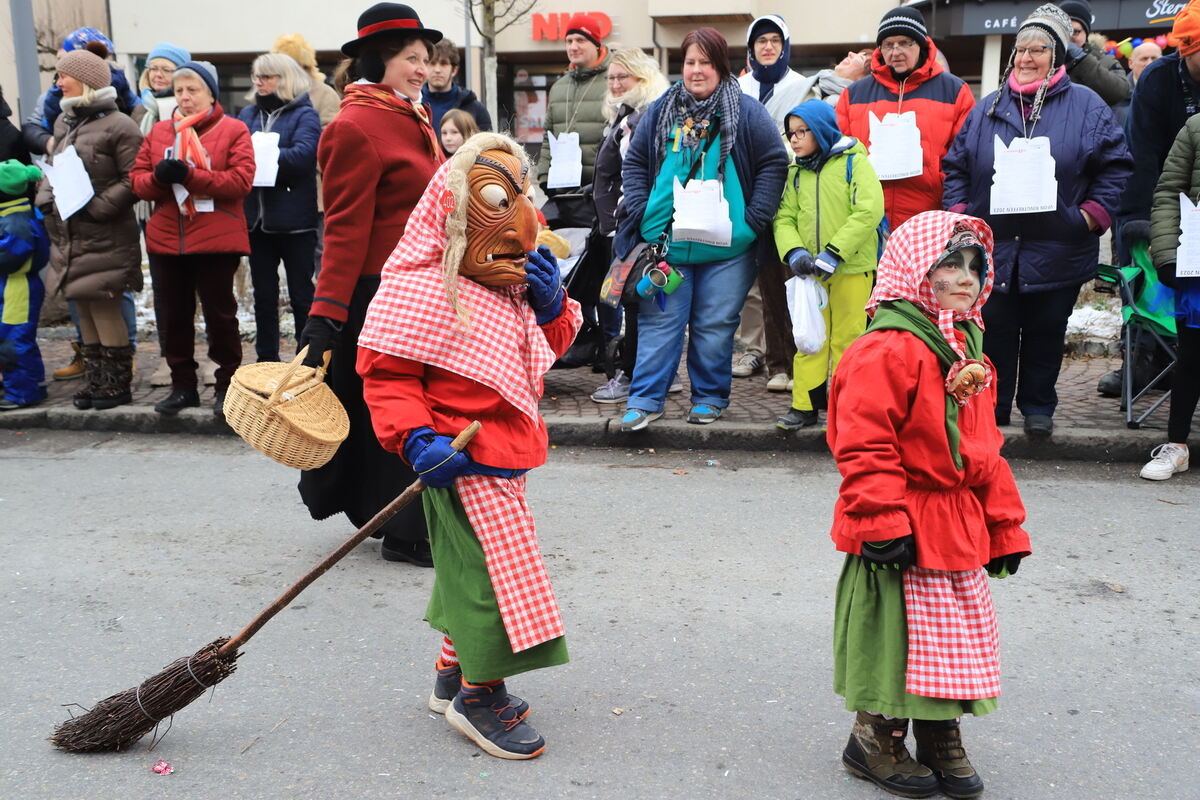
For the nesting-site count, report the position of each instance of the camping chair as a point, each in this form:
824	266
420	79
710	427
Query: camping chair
1148	311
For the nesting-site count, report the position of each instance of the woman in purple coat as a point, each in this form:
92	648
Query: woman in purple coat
1047	210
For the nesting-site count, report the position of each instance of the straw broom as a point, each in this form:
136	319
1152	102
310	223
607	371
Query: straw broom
120	720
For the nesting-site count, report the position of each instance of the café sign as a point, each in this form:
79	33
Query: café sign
1005	16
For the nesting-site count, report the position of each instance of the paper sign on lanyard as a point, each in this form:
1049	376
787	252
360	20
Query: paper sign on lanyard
895	150
1187	257
566	161
266	157
69	179
701	213
1024	181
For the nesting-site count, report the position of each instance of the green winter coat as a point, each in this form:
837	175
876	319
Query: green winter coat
822	210
576	103
1180	173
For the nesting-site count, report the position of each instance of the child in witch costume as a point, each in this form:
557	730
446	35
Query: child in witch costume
466	322
927	510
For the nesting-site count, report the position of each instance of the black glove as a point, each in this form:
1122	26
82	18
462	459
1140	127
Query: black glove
1166	275
1003	566
898	554
171	170
320	334
1133	230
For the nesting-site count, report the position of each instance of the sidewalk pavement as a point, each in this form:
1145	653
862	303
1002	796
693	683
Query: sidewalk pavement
1088	427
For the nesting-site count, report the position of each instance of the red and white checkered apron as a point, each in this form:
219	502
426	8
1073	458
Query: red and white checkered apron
953	641
503	525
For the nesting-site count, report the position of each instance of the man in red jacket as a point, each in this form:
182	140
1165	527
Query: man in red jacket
907	111
466	322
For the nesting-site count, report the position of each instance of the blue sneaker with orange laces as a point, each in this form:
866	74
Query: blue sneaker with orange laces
485	715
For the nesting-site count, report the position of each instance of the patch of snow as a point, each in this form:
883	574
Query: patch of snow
1099	323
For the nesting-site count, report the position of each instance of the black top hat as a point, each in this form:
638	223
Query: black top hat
388	19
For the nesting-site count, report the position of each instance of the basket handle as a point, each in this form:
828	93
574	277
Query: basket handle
285	384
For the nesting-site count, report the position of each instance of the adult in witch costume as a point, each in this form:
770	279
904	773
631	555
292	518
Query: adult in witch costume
927	510
376	158
465	323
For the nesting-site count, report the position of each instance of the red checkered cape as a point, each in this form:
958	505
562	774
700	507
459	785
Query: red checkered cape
501	346
953	641
504	526
912	250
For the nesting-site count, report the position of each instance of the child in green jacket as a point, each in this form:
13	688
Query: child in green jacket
827	228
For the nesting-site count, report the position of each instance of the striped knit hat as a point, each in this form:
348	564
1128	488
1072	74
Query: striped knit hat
903	22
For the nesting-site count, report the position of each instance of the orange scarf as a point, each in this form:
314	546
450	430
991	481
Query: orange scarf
189	149
382	97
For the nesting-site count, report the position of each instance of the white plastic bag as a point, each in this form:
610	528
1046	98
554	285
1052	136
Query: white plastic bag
806	297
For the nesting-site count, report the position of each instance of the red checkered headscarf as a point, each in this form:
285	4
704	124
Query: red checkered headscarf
912	251
411	315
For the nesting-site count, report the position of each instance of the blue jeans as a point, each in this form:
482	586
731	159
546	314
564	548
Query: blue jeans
128	313
708	304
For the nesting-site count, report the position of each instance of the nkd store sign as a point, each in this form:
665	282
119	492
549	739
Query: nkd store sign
1004	16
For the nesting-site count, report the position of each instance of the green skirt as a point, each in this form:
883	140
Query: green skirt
870	649
463	604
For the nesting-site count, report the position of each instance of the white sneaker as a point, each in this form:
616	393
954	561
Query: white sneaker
614	391
746	365
676	385
778	383
1165	461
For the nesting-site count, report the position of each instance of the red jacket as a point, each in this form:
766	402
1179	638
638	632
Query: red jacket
887	431
374	166
403	394
941	102
223	230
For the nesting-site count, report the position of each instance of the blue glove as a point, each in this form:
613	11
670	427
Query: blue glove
1075	53
826	262
802	262
545	284
436	463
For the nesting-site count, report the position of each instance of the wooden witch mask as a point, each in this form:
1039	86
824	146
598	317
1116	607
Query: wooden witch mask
502	224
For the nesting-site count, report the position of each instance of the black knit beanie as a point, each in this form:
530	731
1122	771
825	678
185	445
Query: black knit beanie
1080	11
908	22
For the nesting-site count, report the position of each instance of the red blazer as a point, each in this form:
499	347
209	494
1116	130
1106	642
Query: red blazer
222	230
403	394
887	431
941	102
375	166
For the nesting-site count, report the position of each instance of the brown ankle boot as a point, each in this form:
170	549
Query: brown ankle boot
89	357
940	747
876	752
74	369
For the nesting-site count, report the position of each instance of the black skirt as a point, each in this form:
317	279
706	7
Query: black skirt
362	477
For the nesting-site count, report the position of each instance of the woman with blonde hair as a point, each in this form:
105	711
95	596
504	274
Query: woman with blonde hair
324	98
282	218
154	85
634	82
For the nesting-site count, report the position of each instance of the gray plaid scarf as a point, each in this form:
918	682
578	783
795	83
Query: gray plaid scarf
679	105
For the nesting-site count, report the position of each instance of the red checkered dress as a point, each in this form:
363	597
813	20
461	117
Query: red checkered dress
953	641
503	525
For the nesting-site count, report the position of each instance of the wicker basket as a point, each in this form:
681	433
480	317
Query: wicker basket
287	411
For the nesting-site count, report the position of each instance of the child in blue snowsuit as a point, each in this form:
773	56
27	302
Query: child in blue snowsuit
24	249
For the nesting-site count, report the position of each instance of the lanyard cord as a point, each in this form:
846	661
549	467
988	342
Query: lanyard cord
578	103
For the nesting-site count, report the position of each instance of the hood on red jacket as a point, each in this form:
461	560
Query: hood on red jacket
929	68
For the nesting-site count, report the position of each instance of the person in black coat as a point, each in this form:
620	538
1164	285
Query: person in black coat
282	216
11	145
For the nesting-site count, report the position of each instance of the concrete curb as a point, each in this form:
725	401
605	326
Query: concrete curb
1067	444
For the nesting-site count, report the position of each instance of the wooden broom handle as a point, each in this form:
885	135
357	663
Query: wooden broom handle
375	523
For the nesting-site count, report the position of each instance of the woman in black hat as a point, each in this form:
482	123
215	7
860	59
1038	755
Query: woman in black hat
376	157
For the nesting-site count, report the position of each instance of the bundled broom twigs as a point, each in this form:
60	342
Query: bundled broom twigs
118	721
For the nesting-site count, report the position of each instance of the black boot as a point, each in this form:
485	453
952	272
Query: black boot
418	553
116	371
940	747
876	752
178	400
92	369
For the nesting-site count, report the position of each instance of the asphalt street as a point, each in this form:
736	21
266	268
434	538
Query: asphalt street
697	591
